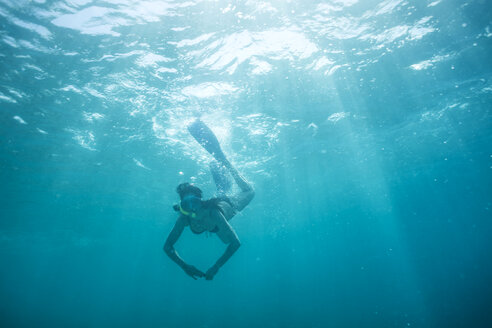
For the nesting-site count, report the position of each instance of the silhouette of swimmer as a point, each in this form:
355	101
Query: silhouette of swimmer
212	215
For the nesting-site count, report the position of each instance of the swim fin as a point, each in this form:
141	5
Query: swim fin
205	137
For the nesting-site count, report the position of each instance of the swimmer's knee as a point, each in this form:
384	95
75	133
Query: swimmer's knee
248	197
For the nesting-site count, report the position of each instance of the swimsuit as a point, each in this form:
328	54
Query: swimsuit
221	206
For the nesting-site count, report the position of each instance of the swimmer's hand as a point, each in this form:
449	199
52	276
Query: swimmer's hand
192	271
211	272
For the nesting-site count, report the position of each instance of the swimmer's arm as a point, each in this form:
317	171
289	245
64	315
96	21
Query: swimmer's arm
174	235
228	236
172	239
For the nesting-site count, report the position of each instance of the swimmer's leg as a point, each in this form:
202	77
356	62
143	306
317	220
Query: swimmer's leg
244	197
221	178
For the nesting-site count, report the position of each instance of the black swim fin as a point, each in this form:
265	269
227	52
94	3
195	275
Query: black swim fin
205	137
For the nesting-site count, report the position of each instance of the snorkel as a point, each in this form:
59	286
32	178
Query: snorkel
189	205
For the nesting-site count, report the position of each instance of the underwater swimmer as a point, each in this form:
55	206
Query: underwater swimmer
212	215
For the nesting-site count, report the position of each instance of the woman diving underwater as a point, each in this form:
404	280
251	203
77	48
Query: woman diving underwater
211	215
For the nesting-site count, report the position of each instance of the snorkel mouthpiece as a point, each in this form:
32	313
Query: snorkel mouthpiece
193	215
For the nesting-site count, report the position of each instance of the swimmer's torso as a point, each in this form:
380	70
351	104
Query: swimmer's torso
204	221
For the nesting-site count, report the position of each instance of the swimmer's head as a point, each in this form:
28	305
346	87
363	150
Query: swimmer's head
190	204
186	188
191	198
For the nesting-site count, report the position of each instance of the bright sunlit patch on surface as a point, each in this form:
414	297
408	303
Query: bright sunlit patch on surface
434	3
71	88
79	3
320	63
234	49
385	7
139	164
151	59
34	67
34	45
112	57
262	6
260	66
419	29
93	20
438	114
19	119
335	117
425	64
91	117
209	89
96	20
192	42
7	98
335	5
94	92
180	29
16	93
167	70
488	33
414	32
337	27
41	30
85	139
346	3
10	41
335	68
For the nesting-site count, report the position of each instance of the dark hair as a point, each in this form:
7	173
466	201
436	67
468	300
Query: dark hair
188	188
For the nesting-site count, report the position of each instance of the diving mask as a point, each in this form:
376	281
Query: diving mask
189	205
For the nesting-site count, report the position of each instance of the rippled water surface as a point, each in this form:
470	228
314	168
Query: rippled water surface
364	125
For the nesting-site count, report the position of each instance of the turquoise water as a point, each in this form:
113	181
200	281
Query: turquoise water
364	125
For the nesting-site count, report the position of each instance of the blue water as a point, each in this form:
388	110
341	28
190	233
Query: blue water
364	125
